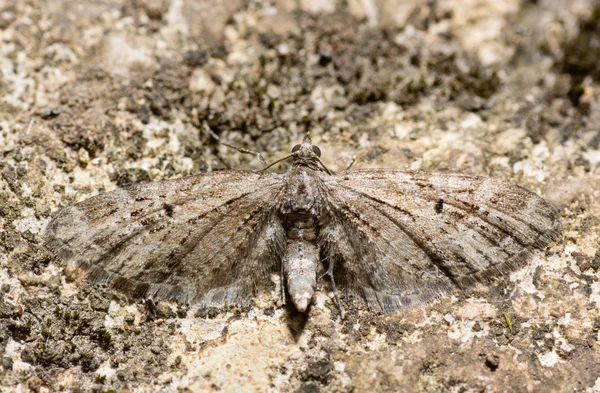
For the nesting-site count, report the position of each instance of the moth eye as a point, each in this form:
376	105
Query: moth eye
295	148
316	150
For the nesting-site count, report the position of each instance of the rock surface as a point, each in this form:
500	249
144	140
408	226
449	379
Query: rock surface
94	95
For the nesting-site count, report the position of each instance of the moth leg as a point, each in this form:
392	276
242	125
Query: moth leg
329	273
283	290
350	164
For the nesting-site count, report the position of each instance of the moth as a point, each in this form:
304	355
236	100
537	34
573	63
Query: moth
392	237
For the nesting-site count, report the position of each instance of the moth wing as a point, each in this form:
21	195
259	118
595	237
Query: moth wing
401	237
211	238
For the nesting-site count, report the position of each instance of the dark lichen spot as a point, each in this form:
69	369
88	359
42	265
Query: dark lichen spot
439	206
208	312
318	371
492	361
169	209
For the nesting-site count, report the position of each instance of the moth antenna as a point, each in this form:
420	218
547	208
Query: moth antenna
242	150
324	167
278	161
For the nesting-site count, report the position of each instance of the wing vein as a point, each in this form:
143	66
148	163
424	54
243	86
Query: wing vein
472	212
431	255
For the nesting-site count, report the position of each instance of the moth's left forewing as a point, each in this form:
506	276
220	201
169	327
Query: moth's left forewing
502	203
505	205
411	236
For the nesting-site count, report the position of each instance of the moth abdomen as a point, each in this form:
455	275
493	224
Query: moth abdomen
301	260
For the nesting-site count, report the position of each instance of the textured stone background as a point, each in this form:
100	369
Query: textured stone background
96	94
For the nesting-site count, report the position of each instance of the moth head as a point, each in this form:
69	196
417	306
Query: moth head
307	154
306	150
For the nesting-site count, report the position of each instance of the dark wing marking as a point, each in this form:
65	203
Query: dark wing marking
211	238
402	237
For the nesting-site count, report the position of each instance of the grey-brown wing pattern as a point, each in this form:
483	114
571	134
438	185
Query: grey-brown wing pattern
211	238
402	237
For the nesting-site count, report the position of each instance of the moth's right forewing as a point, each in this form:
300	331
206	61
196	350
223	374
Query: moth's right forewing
203	237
